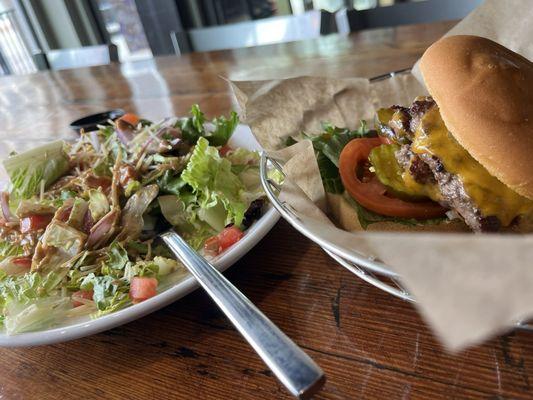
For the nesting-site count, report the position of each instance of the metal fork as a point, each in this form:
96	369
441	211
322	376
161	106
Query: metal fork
296	370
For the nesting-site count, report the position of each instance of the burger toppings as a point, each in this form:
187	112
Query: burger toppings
372	194
430	154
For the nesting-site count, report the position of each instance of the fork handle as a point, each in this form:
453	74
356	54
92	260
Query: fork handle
296	370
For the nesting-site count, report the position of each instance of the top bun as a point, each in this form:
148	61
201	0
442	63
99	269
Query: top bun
485	95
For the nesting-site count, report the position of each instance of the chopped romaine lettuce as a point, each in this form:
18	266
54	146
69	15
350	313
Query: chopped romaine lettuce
98	204
132	216
43	164
117	260
223	130
77	214
39	314
215	184
64	237
167	265
194	127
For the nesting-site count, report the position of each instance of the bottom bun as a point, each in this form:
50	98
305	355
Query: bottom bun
345	216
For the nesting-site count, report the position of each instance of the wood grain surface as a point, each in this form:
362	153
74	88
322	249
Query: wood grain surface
370	344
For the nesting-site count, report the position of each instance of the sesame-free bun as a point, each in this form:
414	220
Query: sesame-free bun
485	95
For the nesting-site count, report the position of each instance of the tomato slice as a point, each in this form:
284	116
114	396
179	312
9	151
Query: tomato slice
78	297
142	288
34	222
372	194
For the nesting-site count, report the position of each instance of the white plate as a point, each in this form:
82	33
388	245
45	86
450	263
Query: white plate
86	326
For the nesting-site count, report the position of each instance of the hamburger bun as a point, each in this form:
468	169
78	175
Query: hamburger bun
485	95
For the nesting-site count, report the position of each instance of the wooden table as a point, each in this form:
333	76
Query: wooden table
370	344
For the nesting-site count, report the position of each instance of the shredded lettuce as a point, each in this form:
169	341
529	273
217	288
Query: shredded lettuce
31	301
109	293
116	260
8	249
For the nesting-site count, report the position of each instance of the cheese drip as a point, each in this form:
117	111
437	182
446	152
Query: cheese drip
491	196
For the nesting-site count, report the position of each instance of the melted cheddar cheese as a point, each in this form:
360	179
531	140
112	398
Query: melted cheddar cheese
492	197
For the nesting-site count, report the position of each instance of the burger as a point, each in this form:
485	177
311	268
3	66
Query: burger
464	152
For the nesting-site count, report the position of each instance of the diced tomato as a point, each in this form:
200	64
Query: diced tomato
34	222
23	261
224	150
142	288
78	296
228	237
130	118
370	193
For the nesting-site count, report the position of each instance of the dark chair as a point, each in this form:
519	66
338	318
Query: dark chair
77	57
404	14
282	29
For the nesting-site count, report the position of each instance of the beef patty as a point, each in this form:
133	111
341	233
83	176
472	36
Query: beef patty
427	169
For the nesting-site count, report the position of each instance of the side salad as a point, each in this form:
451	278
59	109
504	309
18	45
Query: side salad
78	223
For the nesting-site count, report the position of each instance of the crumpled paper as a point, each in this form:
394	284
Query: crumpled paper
468	287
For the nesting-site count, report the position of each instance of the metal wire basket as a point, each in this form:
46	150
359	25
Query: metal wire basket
370	270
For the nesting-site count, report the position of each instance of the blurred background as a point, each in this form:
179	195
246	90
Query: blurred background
57	34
